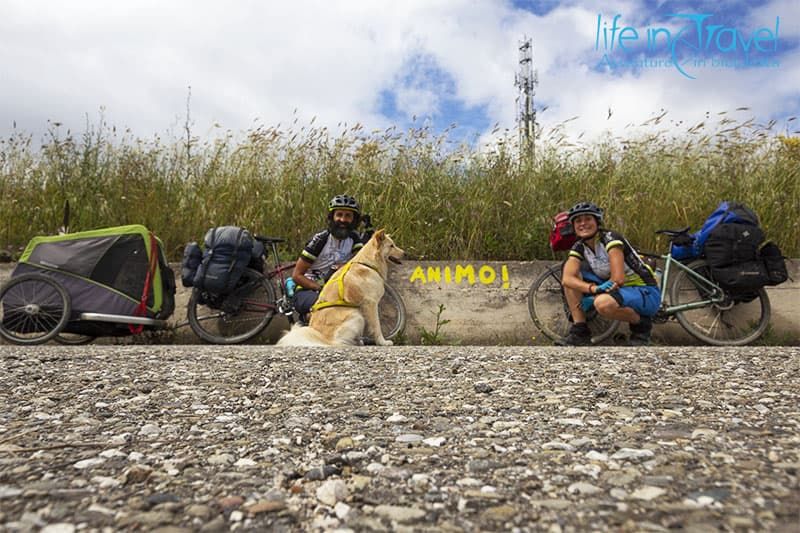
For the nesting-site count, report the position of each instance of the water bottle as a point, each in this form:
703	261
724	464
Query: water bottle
290	285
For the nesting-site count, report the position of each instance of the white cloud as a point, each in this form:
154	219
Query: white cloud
764	16
571	88
413	101
259	61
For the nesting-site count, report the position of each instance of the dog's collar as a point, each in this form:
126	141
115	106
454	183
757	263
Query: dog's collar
373	267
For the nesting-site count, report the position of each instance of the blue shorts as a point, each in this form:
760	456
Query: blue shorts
644	299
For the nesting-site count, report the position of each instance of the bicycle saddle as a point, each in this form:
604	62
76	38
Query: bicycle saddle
674	232
268	240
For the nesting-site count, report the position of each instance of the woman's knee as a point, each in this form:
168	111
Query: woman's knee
605	303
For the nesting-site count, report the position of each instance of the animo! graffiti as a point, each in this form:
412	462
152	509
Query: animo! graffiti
485	275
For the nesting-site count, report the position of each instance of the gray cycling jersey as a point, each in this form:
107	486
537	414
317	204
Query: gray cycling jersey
324	251
600	263
597	261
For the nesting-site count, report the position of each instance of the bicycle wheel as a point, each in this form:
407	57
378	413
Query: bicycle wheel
549	311
731	322
33	309
235	317
392	313
73	339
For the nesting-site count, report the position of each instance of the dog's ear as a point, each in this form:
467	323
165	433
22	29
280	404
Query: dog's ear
380	235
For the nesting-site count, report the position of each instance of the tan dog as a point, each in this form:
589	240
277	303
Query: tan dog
347	307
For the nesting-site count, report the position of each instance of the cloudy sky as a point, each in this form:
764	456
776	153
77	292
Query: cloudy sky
381	63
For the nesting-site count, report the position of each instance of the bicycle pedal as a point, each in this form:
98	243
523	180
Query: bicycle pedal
661	318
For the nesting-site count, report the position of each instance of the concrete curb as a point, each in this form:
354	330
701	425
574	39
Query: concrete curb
485	303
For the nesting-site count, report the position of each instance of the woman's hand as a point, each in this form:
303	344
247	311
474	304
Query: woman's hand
606	286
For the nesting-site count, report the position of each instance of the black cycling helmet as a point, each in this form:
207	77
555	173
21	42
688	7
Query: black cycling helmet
343	201
346	202
585	208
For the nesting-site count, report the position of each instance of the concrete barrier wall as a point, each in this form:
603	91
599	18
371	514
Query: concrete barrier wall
485	303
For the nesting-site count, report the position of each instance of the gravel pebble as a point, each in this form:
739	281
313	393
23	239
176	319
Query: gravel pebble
258	438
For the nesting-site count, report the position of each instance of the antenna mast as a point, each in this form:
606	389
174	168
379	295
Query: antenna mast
526	81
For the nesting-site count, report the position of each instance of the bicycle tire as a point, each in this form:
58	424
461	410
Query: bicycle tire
236	317
549	312
34	308
73	339
728	323
392	313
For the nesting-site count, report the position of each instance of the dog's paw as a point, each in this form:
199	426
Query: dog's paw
386	343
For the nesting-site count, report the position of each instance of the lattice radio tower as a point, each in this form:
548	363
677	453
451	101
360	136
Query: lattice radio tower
526	81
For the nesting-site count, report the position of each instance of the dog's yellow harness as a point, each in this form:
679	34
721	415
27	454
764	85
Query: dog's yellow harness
338	277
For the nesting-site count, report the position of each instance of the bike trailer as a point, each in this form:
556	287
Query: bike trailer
108	273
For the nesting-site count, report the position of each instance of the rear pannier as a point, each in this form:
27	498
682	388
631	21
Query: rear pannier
228	251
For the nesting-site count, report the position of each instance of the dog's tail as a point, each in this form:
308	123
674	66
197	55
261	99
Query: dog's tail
302	336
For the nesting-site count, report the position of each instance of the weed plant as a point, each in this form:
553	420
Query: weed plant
438	198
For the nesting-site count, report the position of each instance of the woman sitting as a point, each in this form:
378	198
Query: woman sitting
604	272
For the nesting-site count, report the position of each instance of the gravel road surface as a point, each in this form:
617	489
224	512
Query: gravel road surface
254	438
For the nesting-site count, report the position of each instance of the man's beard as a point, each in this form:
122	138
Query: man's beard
339	231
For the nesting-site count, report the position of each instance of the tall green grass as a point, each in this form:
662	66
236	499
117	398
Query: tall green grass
439	199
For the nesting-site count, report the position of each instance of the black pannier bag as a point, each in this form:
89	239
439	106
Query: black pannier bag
731	251
732	243
774	263
228	250
725	213
257	257
741	276
192	257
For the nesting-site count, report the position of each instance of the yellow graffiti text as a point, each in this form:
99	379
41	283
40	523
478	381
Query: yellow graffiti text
486	275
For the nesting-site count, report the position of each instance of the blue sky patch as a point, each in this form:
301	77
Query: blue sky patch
537	7
424	94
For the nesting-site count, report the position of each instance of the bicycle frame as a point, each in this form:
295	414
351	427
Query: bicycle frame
717	295
283	303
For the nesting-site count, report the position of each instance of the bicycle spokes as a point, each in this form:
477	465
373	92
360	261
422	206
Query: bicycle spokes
712	315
